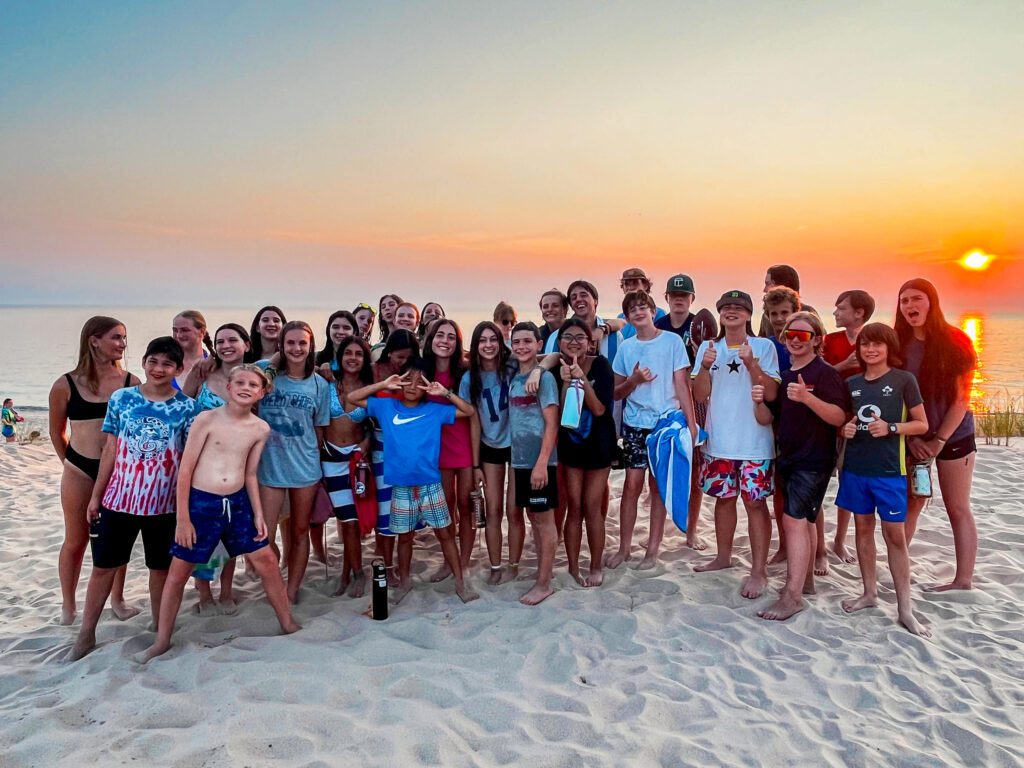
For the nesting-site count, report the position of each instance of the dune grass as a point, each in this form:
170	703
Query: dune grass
1002	418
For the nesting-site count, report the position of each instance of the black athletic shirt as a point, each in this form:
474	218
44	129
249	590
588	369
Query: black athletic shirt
805	441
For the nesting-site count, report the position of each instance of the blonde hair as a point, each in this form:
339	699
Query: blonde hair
251	368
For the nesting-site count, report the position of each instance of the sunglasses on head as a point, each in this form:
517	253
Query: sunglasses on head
791	334
361	305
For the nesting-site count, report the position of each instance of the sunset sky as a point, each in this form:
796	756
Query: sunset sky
198	153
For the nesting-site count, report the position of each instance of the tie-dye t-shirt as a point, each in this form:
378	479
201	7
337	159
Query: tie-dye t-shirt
150	439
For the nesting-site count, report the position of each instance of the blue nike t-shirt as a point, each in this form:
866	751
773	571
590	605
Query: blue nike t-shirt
412	439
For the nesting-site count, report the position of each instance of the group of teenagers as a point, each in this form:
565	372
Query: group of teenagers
230	437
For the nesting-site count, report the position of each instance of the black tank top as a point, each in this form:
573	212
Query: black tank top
80	409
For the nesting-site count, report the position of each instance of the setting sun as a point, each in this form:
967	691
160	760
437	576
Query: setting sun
977	260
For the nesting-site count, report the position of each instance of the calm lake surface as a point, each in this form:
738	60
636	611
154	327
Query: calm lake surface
41	343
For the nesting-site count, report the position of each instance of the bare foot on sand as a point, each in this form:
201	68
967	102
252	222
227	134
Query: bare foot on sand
358	588
595	578
614	559
496	575
576	577
860	603
821	565
290	627
157	649
83	645
343	584
844	555
717	564
947	587
68	616
393	579
782	609
293	596
465	594
536	596
123	610
228	606
778	557
696	543
647	563
440	574
914	626
205	609
753	587
399	592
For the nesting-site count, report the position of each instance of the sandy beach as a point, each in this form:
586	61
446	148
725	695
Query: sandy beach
660	668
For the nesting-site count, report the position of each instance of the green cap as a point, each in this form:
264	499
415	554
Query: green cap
680	284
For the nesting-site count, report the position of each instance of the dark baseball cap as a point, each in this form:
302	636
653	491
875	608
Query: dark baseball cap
680	284
735	297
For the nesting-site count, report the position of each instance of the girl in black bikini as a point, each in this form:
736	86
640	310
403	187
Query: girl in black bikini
81	397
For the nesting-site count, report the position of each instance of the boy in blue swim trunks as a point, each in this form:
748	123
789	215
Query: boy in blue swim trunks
887	407
412	451
218	501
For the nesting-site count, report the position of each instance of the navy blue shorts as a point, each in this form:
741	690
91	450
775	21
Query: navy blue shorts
219	518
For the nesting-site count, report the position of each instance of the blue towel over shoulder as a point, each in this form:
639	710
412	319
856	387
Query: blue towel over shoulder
671	456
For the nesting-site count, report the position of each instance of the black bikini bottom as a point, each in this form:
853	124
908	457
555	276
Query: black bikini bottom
91	467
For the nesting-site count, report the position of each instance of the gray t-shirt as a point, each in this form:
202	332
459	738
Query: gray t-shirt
491	407
526	419
293	408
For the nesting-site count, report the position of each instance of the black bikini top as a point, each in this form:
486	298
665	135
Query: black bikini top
80	409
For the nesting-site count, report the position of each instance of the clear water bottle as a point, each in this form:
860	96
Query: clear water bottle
921	480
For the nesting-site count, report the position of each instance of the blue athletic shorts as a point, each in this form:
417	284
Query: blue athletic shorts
866	495
219	518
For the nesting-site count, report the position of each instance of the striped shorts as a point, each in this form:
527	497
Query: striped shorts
335	462
416	505
383	489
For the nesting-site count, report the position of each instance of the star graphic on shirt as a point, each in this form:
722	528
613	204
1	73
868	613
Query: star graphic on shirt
734	367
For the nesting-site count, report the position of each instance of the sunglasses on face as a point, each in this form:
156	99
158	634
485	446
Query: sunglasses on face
795	335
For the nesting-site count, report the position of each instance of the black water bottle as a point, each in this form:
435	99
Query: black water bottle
380	590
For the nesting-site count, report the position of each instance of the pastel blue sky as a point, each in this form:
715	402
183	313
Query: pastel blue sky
242	153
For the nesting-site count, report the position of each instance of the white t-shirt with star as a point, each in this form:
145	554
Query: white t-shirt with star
733	431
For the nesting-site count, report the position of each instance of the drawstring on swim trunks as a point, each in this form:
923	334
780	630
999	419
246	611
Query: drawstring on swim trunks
226	507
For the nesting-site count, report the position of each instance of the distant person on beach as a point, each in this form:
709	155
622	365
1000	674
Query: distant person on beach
145	430
412	449
635	279
218	501
853	309
10	419
813	403
189	329
533	423
210	390
887	408
486	387
98	374
780	275
652	379
266	333
942	358
738	371
693	329
297	410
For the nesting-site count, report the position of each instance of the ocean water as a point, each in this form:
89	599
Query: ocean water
41	343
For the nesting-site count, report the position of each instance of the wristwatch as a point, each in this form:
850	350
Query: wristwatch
892	428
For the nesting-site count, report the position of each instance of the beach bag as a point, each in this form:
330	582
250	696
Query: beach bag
366	505
572	409
322	508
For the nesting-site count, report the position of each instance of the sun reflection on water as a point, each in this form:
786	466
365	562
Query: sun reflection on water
973	325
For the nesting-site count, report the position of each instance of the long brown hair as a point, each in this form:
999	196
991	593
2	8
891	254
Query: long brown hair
98	325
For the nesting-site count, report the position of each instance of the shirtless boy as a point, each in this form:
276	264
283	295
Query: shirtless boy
219	501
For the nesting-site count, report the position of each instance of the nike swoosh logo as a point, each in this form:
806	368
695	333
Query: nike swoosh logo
398	420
